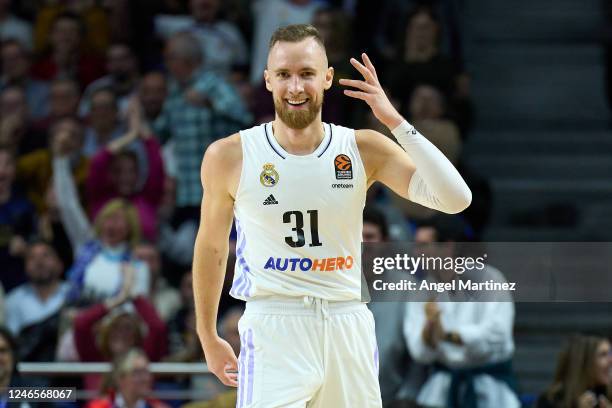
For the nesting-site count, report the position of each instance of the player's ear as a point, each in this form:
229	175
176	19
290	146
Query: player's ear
267	80
329	78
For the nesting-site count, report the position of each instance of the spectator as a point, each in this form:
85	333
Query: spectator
167	300
15	129
130	383
427	111
13	28
17	223
115	172
152	94
119	329
108	329
334	26
34	307
44	293
64	97
94	23
15	62
468	343
395	12
223	47
64	58
101	250
122	78
422	63
105	125
201	107
269	15
427	114
582	378
9	375
34	170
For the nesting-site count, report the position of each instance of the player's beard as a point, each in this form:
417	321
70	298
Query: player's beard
298	118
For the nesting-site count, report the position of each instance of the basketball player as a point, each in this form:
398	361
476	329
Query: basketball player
296	188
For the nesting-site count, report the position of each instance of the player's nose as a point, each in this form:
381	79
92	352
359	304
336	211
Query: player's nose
295	85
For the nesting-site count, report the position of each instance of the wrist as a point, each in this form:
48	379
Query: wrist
394	121
208	336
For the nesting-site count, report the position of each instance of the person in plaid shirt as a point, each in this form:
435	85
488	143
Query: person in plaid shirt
201	107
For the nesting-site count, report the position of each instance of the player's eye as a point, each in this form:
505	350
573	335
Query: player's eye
282	75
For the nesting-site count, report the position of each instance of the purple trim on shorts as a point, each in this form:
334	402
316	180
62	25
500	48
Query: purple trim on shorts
251	365
241	373
376	357
246	369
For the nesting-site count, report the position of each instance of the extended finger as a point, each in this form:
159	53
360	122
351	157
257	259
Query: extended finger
231	380
364	86
228	377
369	64
357	94
363	70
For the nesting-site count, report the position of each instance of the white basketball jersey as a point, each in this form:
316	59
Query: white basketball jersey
299	218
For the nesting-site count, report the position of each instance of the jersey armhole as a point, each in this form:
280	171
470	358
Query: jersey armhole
360	159
242	169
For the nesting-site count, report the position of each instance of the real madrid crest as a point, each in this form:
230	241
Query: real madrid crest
269	177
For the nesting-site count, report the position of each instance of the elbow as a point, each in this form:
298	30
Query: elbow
462	201
466	198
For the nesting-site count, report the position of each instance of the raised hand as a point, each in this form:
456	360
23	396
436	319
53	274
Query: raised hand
61	143
370	91
125	293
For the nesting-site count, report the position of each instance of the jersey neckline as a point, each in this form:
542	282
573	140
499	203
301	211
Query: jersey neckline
318	152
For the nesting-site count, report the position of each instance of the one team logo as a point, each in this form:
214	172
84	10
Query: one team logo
344	167
269	177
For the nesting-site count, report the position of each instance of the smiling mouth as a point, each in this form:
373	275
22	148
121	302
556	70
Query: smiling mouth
296	102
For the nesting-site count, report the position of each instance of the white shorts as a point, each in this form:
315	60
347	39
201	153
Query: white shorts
307	353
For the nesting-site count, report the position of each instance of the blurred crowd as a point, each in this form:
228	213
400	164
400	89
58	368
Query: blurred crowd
106	109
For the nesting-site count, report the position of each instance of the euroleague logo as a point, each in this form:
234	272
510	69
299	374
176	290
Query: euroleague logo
343	167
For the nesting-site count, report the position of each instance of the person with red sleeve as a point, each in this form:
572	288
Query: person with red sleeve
106	330
115	172
64	56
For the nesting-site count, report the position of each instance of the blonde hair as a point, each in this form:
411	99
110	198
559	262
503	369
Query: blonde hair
122	365
296	33
131	215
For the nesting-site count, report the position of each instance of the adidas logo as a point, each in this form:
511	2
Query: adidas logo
270	200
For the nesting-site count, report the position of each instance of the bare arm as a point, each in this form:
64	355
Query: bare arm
385	161
211	250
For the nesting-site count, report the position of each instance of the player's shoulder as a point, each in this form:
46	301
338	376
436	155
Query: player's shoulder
223	153
367	134
368	140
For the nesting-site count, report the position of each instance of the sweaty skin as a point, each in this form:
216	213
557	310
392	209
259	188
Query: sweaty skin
296	72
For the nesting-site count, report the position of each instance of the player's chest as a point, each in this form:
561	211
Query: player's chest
330	182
